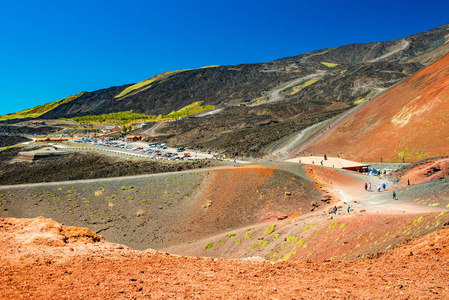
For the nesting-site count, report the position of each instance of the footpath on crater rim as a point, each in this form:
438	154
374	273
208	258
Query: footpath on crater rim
43	259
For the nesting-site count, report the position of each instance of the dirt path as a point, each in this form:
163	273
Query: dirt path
208	113
351	190
312	133
287	149
274	95
404	45
152	131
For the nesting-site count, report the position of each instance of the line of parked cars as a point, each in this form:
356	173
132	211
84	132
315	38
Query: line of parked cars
155	150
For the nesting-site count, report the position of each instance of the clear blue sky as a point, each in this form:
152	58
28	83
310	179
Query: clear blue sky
53	49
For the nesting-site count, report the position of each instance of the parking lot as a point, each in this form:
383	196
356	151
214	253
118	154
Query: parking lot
142	149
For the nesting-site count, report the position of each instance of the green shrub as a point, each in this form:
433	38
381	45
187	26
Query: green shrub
209	245
127	187
292	239
263	244
269	229
287	256
332	225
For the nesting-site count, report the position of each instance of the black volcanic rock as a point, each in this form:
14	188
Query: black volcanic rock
237	84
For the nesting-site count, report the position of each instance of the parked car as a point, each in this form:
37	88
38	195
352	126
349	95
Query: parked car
180	149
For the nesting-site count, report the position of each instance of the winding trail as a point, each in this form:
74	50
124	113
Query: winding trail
403	46
208	113
309	135
274	95
152	131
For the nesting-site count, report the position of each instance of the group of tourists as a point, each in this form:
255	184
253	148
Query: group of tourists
379	187
382	186
367	186
335	209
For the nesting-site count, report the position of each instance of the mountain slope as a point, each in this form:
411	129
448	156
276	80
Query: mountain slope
230	84
38	111
236	84
407	122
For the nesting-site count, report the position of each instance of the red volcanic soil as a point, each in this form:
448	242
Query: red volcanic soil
407	122
337	105
341	257
433	169
42	259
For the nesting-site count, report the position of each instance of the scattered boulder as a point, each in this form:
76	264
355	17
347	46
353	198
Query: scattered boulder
446	225
313	205
326	199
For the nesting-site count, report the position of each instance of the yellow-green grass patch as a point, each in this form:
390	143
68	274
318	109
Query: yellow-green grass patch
298	88
363	99
146	84
327	64
38	111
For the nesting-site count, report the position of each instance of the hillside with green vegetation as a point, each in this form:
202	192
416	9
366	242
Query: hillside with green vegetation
125	118
38	111
347	75
146	84
118	117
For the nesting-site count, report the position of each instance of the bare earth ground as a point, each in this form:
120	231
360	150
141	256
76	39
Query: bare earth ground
315	255
43	260
406	122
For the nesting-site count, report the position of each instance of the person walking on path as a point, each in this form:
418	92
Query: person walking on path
379	187
394	196
369	186
366	186
335	210
408	181
384	186
348	208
